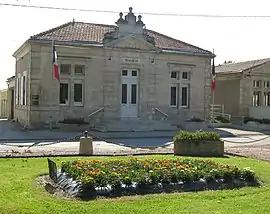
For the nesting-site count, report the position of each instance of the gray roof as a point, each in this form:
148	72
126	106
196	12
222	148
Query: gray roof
81	32
240	66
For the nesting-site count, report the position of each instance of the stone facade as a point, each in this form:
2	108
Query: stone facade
101	79
10	97
3	103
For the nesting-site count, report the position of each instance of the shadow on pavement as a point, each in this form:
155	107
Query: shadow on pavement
13	132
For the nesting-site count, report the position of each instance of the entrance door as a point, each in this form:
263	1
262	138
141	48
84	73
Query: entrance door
129	93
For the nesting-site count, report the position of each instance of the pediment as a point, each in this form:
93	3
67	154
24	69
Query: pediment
132	42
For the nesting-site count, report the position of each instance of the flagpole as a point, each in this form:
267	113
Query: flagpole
213	103
52	60
213	98
50	121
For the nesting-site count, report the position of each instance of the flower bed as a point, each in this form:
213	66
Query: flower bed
198	144
134	176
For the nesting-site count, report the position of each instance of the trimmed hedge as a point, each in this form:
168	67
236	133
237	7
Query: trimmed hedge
196	136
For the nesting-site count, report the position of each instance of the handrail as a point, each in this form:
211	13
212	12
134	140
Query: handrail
214	109
95	112
161	112
217	107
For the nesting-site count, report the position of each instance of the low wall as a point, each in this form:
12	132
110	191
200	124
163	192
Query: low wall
257	126
73	127
259	112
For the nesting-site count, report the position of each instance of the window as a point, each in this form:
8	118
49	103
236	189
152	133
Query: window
173	96
21	90
266	84
18	90
64	94
184	96
179	88
256	98
78	93
65	69
256	84
124	73
266	98
24	91
79	69
133	94
134	73
124	93
174	75
185	75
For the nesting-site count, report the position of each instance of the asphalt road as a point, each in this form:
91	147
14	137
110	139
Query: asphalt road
10	133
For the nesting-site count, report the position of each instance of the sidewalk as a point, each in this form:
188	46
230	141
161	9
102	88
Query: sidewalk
16	142
104	148
72	148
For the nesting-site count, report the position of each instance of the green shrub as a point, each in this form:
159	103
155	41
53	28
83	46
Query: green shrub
220	119
195	119
261	121
196	136
78	121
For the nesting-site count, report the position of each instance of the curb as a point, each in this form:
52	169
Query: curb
226	155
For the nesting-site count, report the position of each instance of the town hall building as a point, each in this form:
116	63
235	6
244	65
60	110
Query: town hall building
111	72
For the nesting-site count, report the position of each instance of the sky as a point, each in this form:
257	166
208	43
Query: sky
236	39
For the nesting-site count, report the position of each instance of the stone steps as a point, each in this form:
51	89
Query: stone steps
134	125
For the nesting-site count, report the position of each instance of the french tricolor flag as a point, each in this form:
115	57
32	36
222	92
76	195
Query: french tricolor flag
213	75
55	64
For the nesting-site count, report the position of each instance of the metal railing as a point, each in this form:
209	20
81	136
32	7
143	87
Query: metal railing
161	112
95	112
218	110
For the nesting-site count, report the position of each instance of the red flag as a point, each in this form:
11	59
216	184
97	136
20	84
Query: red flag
55	64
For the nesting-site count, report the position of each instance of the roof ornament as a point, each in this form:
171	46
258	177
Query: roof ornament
130	17
121	15
140	22
121	20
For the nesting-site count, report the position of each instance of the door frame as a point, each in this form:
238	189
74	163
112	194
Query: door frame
129	90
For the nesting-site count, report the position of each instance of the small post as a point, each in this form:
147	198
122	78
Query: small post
86	145
223	111
85	134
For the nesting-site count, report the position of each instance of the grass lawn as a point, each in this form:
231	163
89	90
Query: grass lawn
20	194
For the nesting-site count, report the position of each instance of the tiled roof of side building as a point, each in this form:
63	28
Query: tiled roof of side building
94	33
240	66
